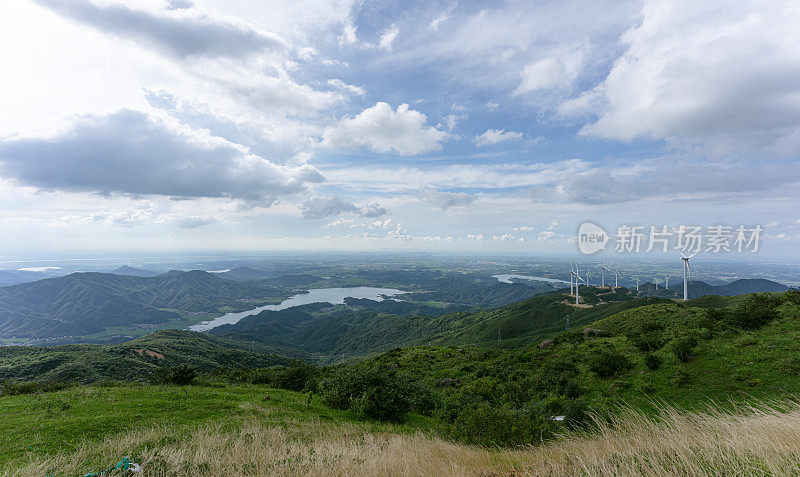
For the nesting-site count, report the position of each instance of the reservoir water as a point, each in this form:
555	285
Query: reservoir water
334	296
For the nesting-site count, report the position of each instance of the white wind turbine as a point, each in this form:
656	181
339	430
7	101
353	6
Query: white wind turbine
571	277
686	273
655	282
616	277
637	284
602	274
578	277
666	279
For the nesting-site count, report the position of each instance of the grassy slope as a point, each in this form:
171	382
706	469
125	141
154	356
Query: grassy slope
725	366
235	431
90	363
57	423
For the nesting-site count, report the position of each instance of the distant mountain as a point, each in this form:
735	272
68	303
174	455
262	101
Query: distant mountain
244	274
134	360
85	303
134	272
12	277
698	288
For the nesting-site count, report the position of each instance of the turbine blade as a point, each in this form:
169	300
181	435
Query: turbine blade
679	251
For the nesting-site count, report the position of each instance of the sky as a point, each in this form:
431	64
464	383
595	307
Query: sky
432	125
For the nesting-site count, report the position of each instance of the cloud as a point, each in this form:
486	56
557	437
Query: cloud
444	200
494	136
130	152
341	85
554	72
348	36
280	94
139	213
320	207
694	73
189	221
178	31
179	4
388	37
667	178
524	228
434	25
383	130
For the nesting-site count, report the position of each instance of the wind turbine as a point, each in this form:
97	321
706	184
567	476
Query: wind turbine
577	277
616	277
571	276
655	282
637	284
602	274
666	279
686	273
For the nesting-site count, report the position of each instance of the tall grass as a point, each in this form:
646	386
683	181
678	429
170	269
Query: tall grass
748	440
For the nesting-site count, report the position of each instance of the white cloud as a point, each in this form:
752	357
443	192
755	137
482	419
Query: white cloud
444	200
348	36
178	31
130	152
524	228
434	25
553	72
319	207
695	73
387	38
495	136
383	130
341	85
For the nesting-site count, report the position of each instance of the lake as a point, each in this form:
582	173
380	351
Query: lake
508	278
334	296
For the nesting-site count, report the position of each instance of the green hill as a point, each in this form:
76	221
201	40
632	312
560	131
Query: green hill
696	288
131	361
85	303
365	327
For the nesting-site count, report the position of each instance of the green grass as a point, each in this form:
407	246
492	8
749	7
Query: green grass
58	422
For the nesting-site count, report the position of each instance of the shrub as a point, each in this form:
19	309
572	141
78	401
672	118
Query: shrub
559	376
607	362
755	312
295	378
682	347
652	361
371	391
498	426
181	375
681	377
31	387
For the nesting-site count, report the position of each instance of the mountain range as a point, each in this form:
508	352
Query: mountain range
85	303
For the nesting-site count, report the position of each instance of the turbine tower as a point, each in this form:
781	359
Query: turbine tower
602	274
637	284
686	274
655	282
577	277
666	279
616	277
571	277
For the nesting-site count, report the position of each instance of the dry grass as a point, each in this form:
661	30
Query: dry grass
760	440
